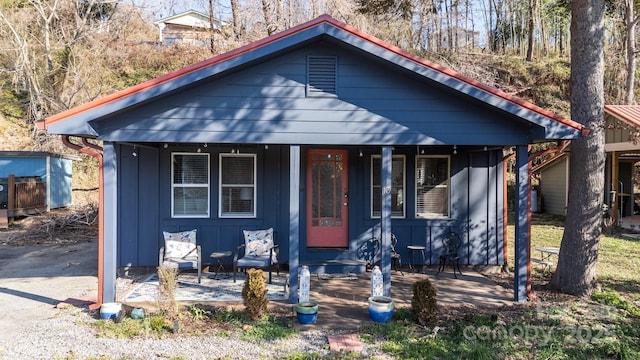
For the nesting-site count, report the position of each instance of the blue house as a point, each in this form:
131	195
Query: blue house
323	132
54	171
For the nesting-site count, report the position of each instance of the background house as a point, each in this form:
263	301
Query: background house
622	122
554	186
190	27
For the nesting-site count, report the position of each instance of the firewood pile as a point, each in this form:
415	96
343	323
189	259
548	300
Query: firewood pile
65	226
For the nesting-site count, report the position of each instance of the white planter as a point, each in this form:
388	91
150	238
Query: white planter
380	308
110	310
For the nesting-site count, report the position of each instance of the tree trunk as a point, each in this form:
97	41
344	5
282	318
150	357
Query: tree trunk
212	25
267	10
576	271
630	26
235	14
532	28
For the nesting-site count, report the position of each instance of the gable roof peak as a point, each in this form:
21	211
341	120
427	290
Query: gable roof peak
318	23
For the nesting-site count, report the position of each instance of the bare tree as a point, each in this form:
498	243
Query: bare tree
630	22
576	270
212	27
533	8
267	12
235	15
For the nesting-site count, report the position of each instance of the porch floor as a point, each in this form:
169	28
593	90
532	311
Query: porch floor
343	300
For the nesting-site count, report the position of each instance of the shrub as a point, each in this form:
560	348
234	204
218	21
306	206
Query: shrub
168	282
254	294
423	303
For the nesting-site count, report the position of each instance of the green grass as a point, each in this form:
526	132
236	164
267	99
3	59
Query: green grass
618	256
268	328
607	326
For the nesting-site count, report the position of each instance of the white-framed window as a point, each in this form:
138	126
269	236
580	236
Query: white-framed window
189	185
398	188
432	186
237	185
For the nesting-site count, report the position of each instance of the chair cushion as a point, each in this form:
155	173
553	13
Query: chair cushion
254	261
259	243
180	245
190	262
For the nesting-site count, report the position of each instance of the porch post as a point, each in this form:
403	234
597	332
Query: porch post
294	221
110	219
385	219
522	225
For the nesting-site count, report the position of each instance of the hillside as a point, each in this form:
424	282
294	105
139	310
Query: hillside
109	65
544	83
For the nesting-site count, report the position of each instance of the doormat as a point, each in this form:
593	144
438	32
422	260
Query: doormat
220	288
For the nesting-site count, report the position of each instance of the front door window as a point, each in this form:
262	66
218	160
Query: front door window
327	198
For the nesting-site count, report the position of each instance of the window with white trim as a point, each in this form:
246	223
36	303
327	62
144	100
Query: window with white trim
432	186
398	194
237	185
189	185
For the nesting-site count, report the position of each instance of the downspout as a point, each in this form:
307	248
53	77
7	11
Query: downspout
95	151
505	217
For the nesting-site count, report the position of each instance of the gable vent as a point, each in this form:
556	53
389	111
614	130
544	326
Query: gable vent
322	75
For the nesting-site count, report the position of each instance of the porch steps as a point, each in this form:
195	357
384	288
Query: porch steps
335	266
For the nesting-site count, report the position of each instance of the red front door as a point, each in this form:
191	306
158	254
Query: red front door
327	199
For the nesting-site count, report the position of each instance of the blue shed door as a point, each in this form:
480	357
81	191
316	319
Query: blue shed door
327	198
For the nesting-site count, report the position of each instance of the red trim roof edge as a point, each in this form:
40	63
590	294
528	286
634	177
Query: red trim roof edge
615	110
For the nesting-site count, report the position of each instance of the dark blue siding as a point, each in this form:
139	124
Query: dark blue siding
145	207
267	104
138	224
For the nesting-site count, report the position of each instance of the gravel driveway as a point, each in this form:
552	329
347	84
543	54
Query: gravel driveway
35	278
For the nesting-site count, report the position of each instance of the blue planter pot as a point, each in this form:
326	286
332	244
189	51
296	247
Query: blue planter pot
307	312
381	308
110	310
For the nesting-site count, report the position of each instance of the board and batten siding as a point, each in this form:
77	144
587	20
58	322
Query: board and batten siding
554	182
268	103
145	206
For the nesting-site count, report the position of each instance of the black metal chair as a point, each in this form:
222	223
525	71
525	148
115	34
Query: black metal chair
449	253
396	260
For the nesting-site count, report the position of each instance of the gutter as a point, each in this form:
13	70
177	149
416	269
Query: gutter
95	151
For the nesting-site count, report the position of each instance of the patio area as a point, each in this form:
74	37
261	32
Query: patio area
342	298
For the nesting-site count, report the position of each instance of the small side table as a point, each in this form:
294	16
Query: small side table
216	258
415	249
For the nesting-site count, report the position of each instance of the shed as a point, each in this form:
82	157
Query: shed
325	133
54	171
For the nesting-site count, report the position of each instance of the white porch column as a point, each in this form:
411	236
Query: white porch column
294	221
385	219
